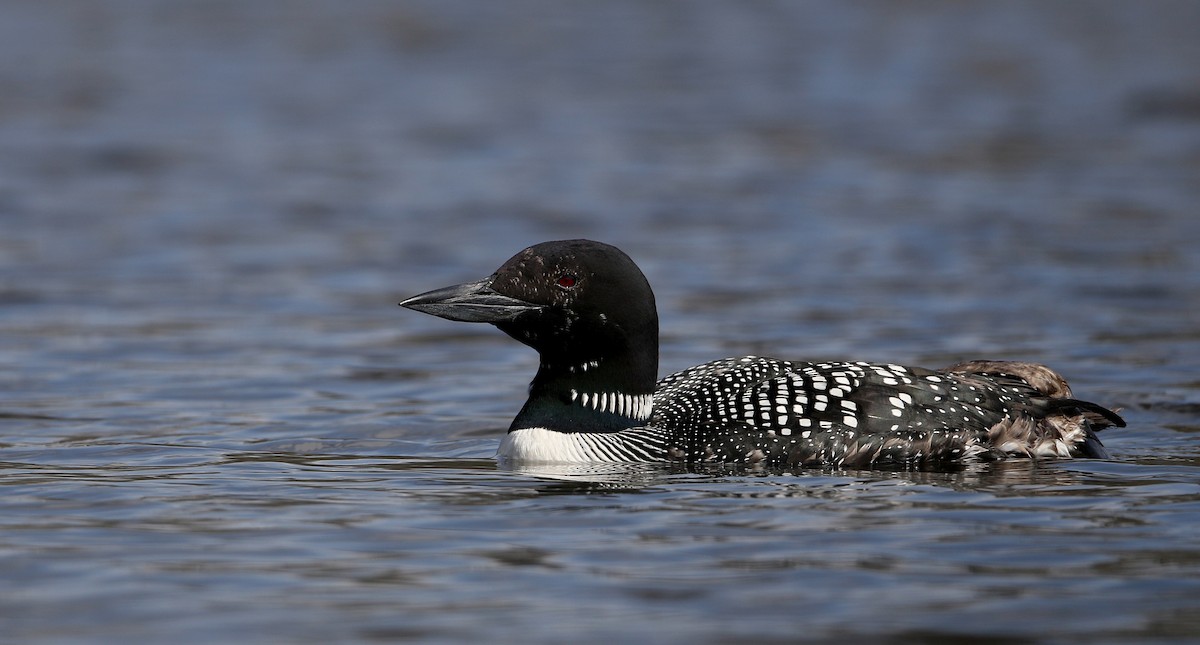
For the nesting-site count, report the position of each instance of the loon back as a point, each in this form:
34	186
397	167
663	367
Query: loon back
589	312
864	414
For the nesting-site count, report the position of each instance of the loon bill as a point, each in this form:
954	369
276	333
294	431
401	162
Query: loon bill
589	312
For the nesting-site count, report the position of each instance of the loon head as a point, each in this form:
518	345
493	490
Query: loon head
584	306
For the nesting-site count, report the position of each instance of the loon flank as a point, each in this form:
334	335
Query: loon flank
589	312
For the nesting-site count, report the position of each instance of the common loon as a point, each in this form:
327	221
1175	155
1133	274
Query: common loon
589	312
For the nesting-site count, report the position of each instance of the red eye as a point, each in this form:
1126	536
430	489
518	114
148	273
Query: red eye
566	281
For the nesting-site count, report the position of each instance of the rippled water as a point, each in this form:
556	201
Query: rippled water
216	425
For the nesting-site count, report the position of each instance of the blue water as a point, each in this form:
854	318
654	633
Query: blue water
216	426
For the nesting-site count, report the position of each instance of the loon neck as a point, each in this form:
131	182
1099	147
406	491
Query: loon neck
590	395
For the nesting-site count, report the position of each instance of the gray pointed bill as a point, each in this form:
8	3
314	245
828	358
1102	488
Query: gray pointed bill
470	302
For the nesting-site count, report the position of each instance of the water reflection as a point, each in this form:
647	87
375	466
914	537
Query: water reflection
613	475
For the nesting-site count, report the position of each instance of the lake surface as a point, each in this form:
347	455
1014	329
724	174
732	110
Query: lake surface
216	425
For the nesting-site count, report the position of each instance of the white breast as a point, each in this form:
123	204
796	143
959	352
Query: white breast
542	445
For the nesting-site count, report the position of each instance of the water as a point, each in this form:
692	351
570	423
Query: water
216	425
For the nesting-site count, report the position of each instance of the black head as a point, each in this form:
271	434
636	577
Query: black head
575	301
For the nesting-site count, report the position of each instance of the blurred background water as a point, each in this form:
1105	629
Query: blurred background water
216	426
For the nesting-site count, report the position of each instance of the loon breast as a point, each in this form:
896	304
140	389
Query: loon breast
542	445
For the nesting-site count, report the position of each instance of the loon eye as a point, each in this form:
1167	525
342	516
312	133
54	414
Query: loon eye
566	281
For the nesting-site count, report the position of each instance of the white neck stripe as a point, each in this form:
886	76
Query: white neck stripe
628	405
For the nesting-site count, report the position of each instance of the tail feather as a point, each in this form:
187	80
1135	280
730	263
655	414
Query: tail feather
1053	425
